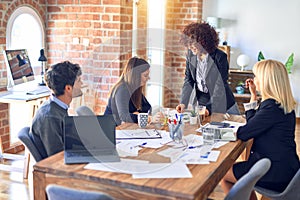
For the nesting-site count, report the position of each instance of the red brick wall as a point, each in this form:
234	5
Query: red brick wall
179	13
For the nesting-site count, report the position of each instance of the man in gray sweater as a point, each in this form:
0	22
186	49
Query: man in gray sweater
64	80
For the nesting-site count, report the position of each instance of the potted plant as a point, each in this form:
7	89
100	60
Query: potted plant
288	64
240	88
193	117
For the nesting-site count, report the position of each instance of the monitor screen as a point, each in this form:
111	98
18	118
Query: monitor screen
19	69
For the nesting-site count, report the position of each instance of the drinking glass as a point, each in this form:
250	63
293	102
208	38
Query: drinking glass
201	113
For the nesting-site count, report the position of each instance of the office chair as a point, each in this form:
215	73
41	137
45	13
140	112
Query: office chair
57	192
84	110
291	192
25	138
242	189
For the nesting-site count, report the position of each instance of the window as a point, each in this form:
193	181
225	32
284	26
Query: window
24	31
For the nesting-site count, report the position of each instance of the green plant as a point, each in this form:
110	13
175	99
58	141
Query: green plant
240	83
193	113
288	64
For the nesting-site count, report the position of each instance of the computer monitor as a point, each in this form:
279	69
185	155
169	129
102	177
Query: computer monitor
19	69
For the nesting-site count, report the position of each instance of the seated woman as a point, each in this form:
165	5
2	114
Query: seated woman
272	127
126	97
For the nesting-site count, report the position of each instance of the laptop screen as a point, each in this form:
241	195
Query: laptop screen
89	133
19	69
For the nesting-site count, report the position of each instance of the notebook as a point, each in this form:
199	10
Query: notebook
20	73
90	139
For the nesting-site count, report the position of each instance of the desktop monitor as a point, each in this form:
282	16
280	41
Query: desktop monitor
19	69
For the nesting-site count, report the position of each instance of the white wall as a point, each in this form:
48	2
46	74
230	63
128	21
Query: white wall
270	26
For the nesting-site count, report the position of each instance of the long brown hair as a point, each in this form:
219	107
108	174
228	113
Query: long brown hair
131	76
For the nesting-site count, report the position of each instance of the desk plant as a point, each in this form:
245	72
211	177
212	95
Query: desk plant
193	117
288	64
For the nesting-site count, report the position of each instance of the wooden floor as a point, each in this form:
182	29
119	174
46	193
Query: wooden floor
14	187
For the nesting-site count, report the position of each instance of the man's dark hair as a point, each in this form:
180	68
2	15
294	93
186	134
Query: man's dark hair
62	74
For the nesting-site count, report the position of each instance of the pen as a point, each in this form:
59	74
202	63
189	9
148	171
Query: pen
147	133
139	145
193	147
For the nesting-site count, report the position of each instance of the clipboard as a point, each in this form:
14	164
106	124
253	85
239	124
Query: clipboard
138	134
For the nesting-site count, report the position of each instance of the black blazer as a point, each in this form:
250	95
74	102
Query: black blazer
219	98
274	138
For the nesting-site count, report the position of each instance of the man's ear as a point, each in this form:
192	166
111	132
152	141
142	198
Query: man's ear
68	88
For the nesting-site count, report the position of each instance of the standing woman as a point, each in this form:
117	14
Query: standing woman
126	98
206	71
272	127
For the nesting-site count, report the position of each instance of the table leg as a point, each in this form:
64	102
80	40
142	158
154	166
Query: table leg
39	185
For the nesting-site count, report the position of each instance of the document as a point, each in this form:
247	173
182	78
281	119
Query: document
138	134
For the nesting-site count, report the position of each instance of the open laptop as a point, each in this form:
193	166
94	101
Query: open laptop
20	73
90	139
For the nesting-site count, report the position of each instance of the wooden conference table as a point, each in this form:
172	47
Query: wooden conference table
122	186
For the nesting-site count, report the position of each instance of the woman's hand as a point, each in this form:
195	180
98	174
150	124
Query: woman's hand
249	83
180	108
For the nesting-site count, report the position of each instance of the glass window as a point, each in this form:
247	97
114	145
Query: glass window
24	31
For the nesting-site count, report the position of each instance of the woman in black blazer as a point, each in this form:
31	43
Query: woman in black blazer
272	127
206	71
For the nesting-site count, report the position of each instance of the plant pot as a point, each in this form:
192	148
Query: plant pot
240	90
193	120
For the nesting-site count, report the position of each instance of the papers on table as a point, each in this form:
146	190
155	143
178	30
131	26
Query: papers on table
137	134
192	151
143	169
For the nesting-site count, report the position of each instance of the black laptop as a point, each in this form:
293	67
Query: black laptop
90	139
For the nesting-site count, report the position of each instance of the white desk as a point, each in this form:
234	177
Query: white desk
20	97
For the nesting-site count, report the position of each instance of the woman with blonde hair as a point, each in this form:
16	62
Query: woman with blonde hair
272	127
126	98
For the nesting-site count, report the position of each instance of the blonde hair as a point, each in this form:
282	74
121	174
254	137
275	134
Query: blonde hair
274	83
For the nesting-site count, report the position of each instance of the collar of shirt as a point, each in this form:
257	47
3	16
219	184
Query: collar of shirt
59	102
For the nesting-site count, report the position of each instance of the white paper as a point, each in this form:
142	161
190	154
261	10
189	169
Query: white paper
138	134
171	170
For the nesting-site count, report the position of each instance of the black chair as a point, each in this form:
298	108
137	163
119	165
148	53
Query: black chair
242	189
57	192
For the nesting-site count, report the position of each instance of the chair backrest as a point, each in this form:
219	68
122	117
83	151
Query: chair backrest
242	189
84	110
57	192
290	192
25	138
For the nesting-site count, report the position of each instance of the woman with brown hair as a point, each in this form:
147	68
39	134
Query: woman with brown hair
126	98
206	71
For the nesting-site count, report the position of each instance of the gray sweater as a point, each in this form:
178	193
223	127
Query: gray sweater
47	128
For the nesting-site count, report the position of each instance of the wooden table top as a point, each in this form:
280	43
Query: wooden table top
204	180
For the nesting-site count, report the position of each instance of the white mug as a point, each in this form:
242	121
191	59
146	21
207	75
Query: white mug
142	120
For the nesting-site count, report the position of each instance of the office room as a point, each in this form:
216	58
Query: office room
101	36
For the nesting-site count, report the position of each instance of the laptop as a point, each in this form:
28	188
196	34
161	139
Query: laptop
20	73
90	139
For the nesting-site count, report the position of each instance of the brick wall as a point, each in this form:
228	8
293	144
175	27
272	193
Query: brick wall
179	14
